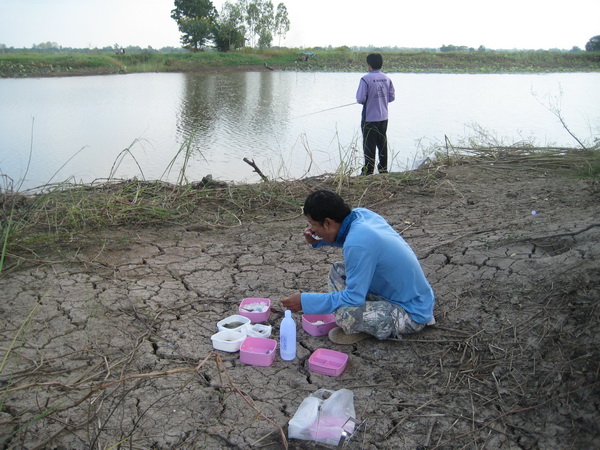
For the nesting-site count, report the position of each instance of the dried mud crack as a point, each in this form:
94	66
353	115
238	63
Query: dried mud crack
112	347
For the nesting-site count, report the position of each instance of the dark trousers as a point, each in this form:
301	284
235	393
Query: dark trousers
374	138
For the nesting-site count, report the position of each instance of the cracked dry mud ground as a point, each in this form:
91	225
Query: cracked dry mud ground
118	352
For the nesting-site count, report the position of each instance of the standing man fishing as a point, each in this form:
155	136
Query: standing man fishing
375	91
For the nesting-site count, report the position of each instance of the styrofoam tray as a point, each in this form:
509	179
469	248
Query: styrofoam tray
233	323
227	340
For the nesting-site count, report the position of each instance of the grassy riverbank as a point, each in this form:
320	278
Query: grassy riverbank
30	64
74	216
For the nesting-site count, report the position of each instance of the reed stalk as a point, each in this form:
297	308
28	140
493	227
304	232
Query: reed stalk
185	152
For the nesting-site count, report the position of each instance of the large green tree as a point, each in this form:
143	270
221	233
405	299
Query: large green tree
250	22
196	20
245	22
229	32
265	23
282	22
593	44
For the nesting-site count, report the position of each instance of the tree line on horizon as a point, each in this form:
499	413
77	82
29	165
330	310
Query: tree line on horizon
53	47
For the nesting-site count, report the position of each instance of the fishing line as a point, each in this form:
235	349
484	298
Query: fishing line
306	115
323	110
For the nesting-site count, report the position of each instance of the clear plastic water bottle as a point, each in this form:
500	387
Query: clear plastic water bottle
287	337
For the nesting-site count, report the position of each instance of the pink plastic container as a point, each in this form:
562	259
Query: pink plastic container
313	326
258	351
255	309
325	361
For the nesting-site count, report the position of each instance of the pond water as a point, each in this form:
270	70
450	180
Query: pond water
290	124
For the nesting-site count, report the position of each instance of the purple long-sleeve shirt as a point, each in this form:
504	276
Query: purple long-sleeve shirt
375	91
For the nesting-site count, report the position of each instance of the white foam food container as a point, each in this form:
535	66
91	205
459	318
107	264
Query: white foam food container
227	340
236	322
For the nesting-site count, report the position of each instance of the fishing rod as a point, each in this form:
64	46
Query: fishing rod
328	109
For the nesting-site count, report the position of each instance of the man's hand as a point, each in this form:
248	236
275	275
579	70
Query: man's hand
308	235
292	303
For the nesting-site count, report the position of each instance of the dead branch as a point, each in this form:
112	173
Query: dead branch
256	169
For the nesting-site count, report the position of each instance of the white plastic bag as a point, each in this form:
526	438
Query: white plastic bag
323	416
257	330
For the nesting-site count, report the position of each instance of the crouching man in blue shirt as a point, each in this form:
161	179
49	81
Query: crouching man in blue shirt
380	289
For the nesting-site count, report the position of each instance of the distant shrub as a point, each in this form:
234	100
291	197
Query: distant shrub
593	44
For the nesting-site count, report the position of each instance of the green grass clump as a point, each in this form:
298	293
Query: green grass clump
42	64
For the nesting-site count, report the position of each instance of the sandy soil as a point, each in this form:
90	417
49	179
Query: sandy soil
111	348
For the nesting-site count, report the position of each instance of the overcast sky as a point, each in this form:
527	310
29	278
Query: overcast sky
508	24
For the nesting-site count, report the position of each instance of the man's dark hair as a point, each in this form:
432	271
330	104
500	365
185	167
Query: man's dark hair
324	204
375	60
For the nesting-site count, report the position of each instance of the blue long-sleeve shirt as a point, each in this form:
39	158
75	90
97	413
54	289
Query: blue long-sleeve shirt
378	261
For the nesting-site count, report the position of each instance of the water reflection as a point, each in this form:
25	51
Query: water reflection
237	114
198	106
